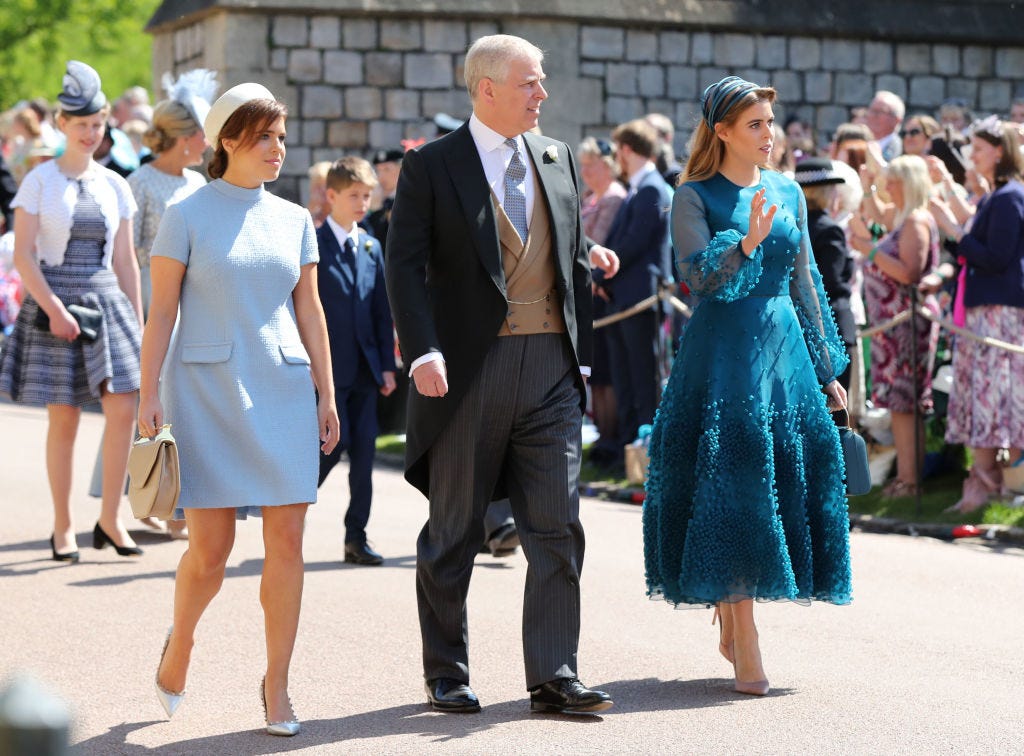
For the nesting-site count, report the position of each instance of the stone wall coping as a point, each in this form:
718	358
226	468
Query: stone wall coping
988	22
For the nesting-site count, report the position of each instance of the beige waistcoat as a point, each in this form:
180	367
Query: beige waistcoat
534	304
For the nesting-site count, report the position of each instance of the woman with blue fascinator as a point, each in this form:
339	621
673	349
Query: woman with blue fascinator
745	494
77	337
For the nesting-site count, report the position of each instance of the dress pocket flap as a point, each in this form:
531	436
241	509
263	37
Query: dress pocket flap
294	354
219	352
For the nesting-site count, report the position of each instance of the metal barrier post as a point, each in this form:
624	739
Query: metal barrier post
917	405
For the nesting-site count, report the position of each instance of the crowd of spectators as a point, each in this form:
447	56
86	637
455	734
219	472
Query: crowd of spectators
926	204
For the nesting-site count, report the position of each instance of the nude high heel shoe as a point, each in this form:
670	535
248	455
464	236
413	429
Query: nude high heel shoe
286	728
723	649
750	687
168	699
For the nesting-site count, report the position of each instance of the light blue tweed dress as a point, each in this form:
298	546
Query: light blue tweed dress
236	384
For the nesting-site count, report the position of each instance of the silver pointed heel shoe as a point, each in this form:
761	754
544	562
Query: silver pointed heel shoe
284	729
168	699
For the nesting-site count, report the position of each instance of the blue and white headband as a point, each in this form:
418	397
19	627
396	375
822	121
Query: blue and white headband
719	98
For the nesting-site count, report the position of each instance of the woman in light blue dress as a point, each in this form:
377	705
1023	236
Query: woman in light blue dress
238	267
745	495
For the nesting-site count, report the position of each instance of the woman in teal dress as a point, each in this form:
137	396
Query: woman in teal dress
745	494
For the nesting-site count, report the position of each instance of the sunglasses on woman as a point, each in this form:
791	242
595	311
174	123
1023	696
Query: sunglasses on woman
910	132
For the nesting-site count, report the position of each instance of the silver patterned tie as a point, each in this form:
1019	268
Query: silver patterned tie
515	198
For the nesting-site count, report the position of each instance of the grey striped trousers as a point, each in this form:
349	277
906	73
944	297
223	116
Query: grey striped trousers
521	417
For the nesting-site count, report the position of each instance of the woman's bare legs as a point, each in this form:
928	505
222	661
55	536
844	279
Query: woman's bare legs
60	446
119	411
199	578
281	596
750	676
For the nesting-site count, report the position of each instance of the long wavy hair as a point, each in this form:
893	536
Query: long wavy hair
707	151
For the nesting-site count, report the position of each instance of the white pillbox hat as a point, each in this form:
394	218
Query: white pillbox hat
228	103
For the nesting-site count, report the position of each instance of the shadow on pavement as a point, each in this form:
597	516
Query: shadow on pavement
407	719
652	694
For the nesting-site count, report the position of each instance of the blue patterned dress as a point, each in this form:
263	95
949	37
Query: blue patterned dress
745	494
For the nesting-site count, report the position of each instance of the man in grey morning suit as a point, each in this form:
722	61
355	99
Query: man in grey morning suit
489	281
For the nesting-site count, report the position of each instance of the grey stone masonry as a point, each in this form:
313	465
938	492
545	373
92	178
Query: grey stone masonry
641	46
325	32
343	67
384	69
321	102
428	71
290	31
305	65
602	42
358	77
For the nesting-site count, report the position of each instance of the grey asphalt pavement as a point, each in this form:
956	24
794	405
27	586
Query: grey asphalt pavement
928	659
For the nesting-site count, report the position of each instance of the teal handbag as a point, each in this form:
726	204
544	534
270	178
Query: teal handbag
855	455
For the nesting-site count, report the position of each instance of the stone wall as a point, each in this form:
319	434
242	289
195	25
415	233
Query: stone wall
355	82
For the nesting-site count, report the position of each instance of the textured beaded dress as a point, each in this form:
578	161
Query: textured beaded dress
745	493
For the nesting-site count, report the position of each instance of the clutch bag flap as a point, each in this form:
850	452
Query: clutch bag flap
153	476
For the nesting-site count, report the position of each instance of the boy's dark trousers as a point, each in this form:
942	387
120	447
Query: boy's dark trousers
357	408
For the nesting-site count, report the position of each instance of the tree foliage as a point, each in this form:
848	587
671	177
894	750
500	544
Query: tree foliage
37	37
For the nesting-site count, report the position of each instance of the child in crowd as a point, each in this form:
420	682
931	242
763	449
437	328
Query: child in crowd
351	280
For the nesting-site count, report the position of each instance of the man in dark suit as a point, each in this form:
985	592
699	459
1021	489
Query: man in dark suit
350	276
386	164
489	280
640	236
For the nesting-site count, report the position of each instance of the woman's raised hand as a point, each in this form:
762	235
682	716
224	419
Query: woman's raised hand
760	222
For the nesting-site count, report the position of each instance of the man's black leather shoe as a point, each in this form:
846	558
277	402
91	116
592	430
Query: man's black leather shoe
361	553
567	695
504	541
448	694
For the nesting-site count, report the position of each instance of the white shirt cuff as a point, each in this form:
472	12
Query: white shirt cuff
585	371
428	357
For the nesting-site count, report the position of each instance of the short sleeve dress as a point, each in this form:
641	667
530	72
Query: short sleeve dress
745	494
36	367
236	384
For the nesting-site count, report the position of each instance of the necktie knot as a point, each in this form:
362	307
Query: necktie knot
514	203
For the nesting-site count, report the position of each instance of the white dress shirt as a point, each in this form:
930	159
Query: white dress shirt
495	156
341	234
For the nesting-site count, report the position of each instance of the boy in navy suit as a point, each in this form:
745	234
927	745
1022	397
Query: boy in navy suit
355	302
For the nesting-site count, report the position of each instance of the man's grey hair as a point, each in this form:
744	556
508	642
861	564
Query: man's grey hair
489	58
892	101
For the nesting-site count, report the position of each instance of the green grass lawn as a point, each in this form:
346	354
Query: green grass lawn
940	492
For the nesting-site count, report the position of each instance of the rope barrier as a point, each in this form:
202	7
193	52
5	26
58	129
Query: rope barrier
663	295
949	325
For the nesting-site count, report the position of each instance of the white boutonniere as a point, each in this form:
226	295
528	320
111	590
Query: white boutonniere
551	154
368	245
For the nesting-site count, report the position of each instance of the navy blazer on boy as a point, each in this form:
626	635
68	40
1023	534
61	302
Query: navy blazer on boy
358	315
360	331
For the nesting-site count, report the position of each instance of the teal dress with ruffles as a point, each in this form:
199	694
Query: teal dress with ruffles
745	492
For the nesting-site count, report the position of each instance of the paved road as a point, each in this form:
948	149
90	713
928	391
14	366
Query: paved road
929	659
